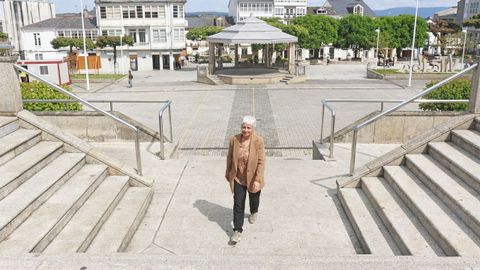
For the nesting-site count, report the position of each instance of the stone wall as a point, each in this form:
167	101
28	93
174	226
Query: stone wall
398	127
95	127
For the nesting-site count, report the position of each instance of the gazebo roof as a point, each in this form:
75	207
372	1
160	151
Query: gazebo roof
252	31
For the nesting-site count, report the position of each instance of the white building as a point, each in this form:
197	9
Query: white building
37	37
15	14
282	9
157	28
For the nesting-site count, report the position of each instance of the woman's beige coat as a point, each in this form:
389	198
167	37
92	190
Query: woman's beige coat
256	161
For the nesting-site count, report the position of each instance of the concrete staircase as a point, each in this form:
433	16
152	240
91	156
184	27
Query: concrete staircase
216	80
53	200
428	206
287	79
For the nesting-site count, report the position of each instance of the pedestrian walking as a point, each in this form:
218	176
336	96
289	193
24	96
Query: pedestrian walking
244	172
130	78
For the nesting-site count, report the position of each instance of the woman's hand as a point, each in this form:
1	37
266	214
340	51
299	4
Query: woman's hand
256	187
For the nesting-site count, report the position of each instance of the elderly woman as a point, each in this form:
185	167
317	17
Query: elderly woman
245	167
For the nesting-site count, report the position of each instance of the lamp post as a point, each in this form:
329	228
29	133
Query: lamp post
378	40
413	47
85	54
464	43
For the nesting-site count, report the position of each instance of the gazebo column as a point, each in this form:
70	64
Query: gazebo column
269	55
211	58
291	58
236	55
220	53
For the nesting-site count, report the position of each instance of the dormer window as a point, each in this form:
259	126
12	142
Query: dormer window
321	11
358	10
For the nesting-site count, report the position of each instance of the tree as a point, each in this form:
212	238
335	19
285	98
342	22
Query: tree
321	31
62	42
441	29
398	31
201	33
356	32
114	41
3	36
473	22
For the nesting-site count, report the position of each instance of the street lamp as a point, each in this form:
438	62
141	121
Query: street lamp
464	43
413	46
378	39
85	55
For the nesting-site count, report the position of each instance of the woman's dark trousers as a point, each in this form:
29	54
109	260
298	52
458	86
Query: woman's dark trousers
239	196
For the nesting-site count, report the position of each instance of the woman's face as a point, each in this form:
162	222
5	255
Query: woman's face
247	130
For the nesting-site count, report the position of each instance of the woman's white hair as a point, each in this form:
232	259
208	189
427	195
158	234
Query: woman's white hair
249	120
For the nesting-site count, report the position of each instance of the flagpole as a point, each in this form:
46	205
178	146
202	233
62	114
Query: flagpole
85	54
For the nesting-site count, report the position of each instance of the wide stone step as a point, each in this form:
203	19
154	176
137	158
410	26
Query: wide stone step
468	140
8	125
368	227
83	227
399	220
459	197
22	167
454	237
17	142
50	218
461	163
118	230
19	204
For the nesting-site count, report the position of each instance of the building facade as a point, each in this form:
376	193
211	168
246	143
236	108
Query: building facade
37	37
156	26
15	14
341	8
285	10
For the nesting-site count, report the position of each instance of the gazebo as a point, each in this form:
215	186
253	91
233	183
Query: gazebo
250	31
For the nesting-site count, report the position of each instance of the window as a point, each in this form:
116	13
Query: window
179	34
37	40
60	33
43	70
139	12
128	12
39	56
142	37
358	9
1	26
103	12
279	11
159	36
112	32
321	11
113	12
177	11
133	34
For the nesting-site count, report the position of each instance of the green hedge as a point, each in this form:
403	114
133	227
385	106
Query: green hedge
456	89
38	90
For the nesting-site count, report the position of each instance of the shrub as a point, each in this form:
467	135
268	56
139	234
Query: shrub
38	90
456	89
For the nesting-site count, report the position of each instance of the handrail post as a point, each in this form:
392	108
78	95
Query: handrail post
111	106
170	121
475	92
332	135
137	152
323	119
381	106
354	151
162	139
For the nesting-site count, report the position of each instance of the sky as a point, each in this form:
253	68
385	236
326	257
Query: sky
221	5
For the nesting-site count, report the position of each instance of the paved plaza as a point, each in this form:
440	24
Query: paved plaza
191	210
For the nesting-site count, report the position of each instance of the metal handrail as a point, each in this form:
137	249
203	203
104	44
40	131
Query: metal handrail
160	127
112	102
332	128
395	108
325	103
85	102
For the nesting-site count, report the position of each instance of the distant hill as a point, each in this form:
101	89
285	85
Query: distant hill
422	12
206	13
